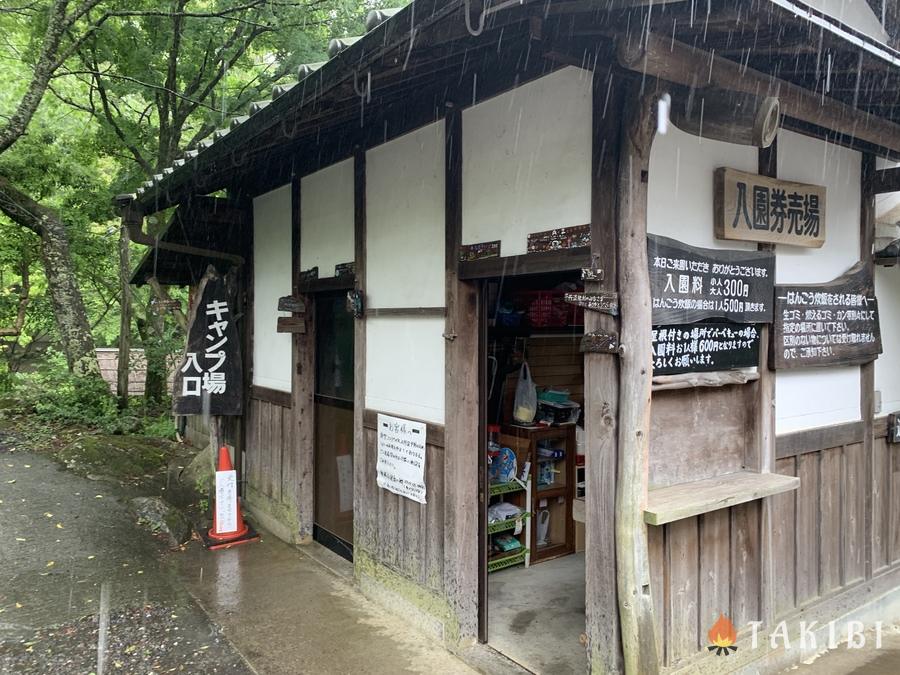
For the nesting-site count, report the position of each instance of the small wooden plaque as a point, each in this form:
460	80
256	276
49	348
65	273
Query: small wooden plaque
577	236
306	276
291	324
345	269
606	302
591	274
600	342
291	304
480	251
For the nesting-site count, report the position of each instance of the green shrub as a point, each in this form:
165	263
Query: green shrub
56	395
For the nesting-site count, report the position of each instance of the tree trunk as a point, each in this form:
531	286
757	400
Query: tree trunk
65	295
124	362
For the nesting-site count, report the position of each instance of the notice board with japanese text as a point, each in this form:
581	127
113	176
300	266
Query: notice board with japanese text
835	323
401	457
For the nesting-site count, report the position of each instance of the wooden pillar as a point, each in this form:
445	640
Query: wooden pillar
131	215
461	428
639	643
361	472
601	387
764	462
867	370
302	441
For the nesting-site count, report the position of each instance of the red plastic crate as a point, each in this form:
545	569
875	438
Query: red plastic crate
549	309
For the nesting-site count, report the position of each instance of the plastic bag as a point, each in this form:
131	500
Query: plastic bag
525	406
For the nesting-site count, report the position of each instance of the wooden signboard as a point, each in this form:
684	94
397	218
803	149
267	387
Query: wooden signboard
606	302
704	347
600	342
481	251
289	303
749	207
829	324
577	236
291	324
347	269
689	284
210	378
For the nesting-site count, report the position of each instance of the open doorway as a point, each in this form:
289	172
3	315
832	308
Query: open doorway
333	515
533	581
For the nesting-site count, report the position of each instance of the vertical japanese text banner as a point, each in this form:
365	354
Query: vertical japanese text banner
209	380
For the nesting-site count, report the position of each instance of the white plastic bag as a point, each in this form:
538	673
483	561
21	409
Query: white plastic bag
525	406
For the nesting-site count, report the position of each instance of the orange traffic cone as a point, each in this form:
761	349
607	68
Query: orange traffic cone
243	533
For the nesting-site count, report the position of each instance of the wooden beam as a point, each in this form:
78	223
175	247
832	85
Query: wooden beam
673	61
868	177
527	263
601	397
819	439
712	379
362	471
640	646
423	312
461	432
764	447
301	442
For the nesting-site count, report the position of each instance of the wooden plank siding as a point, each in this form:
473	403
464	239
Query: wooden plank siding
402	535
710	564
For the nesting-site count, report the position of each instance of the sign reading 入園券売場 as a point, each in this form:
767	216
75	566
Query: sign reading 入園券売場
749	207
210	379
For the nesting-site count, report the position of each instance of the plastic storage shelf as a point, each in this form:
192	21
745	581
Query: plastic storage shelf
504	525
516	558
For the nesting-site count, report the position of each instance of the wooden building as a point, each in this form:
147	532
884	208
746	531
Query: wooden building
473	185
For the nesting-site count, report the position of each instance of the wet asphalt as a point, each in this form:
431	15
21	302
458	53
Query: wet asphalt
63	539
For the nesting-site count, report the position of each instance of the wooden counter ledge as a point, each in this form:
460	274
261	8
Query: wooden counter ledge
685	500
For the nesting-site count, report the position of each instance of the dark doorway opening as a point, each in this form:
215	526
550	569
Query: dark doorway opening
333	397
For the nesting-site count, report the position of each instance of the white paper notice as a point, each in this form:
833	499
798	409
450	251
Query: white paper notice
401	457
226	501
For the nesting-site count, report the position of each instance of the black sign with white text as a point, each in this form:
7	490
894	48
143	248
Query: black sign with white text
689	284
704	347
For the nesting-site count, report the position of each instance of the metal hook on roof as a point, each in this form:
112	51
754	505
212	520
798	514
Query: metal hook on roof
366	92
485	13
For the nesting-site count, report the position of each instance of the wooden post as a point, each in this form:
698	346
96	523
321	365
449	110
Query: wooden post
130	215
361	471
867	370
639	644
461	437
302	441
601	387
764	461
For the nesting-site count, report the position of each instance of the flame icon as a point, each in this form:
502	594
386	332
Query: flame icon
722	635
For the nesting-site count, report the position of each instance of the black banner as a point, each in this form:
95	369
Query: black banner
210	378
828	324
704	347
689	284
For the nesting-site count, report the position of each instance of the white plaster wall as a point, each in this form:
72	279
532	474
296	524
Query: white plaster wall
405	367
887	367
405	268
854	13
326	218
272	243
680	191
405	220
527	161
813	397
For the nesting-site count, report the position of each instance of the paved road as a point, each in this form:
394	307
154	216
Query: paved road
62	539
